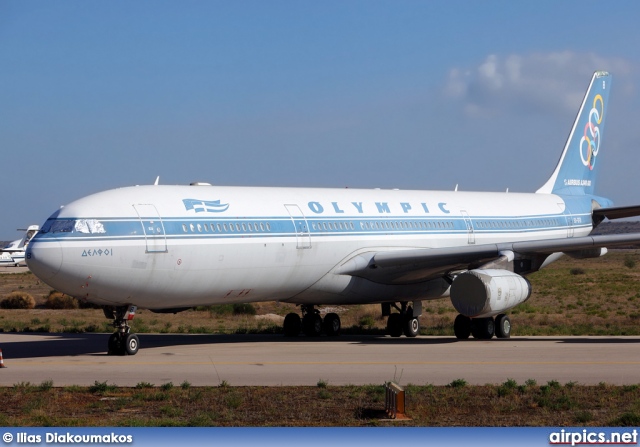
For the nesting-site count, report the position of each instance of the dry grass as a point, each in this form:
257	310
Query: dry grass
509	404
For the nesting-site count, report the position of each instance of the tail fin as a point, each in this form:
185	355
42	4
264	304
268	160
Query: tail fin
578	167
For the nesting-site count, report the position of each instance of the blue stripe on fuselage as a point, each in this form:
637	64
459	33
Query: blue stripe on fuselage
283	226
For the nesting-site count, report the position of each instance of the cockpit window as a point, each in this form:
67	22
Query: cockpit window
89	226
58	226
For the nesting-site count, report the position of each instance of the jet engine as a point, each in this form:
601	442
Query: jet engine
485	293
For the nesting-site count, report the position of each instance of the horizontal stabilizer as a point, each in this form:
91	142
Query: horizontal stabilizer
619	212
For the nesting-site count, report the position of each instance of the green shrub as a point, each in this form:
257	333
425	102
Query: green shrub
18	300
217	309
367	321
244	309
101	387
58	300
629	419
629	262
458	383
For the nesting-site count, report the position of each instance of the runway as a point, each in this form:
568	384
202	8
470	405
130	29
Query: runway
272	360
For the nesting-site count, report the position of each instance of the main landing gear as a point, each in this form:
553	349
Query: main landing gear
482	328
122	341
311	323
404	322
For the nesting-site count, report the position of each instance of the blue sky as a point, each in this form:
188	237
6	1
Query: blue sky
391	94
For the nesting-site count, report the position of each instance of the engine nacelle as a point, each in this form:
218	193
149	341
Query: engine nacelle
485	293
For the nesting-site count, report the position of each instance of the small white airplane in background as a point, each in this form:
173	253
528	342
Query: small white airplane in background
170	248
14	252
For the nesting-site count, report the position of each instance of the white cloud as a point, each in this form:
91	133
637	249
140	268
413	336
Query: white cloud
533	83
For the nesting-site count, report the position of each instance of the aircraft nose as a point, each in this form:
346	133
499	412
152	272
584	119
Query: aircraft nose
44	259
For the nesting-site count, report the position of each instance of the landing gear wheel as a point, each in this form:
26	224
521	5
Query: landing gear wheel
483	328
312	325
394	325
411	327
462	327
503	326
115	344
132	344
292	324
122	342
331	324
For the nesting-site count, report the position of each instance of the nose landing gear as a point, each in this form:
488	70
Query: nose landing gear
122	341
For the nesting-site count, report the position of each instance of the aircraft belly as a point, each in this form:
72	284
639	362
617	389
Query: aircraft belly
189	275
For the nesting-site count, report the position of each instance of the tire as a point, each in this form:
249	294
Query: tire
331	324
115	346
132	344
292	324
394	325
462	327
483	328
503	326
411	326
312	325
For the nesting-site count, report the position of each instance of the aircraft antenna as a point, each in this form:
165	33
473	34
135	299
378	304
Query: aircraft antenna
157	181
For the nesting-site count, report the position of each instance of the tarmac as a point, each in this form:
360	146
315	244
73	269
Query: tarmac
273	360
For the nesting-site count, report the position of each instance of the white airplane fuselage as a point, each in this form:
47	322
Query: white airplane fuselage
182	246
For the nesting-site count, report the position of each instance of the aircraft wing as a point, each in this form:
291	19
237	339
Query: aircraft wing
422	264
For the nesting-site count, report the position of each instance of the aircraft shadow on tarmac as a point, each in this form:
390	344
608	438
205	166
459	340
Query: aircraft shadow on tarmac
62	344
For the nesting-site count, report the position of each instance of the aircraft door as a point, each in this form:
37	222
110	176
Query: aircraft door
469	224
303	235
569	218
152	227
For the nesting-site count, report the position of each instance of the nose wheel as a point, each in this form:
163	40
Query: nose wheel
122	341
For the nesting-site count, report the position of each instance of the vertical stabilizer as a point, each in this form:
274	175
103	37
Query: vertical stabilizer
579	163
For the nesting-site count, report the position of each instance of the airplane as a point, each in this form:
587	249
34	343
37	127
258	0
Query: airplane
14	252
170	248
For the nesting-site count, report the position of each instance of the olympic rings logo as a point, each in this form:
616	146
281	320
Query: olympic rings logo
590	141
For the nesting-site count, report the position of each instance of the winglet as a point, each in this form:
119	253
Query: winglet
579	163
